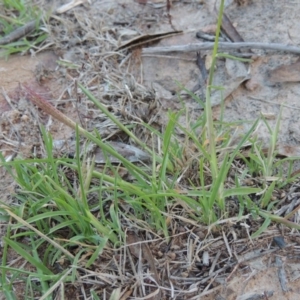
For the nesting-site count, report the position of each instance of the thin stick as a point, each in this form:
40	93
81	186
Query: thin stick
24	223
272	102
18	33
222	46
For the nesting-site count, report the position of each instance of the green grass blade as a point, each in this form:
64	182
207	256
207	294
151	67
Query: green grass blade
262	228
241	191
96	253
267	195
36	263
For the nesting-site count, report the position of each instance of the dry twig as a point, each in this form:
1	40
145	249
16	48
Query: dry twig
19	33
222	46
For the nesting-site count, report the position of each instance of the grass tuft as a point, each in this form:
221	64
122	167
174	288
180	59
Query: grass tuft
69	211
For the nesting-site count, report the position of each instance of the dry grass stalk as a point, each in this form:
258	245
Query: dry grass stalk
50	109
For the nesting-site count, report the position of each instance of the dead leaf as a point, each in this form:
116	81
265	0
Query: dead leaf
252	84
281	149
134	244
126	294
242	2
286	73
238	72
229	29
209	29
287	150
229	87
147	38
131	153
235	68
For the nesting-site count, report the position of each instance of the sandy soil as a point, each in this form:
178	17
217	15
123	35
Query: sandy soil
274	275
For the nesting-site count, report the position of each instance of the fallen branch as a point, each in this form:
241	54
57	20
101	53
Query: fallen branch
222	46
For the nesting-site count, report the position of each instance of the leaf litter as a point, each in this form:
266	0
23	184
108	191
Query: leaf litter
197	262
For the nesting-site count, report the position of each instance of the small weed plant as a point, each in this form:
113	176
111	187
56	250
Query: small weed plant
67	204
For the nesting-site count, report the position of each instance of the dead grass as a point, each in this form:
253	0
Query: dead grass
195	260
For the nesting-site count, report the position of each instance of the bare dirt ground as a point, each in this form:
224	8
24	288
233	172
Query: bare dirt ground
87	38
